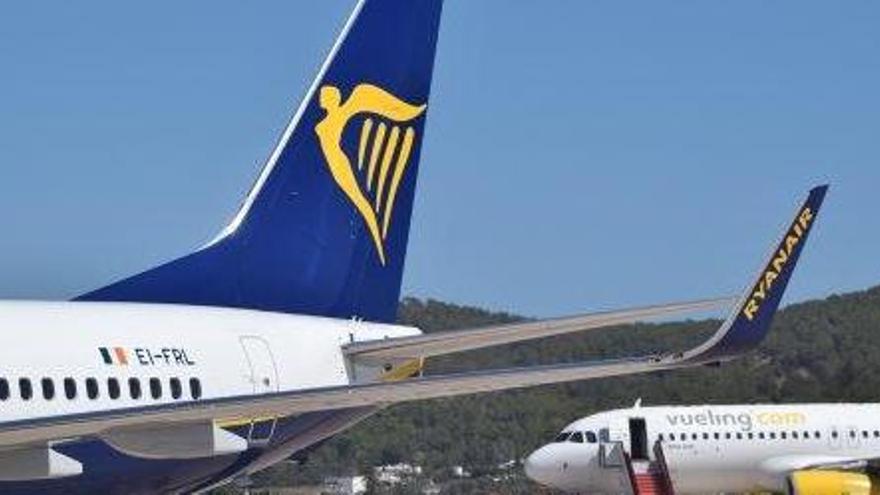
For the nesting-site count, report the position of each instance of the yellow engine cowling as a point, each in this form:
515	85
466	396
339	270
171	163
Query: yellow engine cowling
832	483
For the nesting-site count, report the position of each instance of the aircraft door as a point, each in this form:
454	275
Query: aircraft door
638	439
264	379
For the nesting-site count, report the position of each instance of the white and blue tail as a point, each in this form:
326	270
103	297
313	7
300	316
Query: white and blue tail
324	229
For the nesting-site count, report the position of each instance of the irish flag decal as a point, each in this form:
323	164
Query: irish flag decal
114	355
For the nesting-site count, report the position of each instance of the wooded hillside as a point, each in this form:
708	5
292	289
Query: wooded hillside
817	351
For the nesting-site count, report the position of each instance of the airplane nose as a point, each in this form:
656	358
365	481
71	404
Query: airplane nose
539	467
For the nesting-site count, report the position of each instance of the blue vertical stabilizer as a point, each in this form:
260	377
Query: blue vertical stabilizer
324	229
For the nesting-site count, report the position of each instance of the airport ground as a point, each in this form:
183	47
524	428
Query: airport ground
823	350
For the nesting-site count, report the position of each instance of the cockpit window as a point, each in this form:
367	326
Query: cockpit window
576	437
590	436
562	437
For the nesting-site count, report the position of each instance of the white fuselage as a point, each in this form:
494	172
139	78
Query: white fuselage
63	359
711	449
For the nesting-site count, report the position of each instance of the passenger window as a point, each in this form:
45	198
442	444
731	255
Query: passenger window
195	390
717	436
604	435
113	389
833	434
48	387
761	435
815	434
693	436
672	436
751	436
134	388
705	436
155	388
92	388
876	433
783	435
864	434
852	434
562	437
576	437
739	436
176	389
4	389
70	388
727	436
772	435
25	389
591	437
794	434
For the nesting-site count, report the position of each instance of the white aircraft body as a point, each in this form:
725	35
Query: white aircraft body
803	449
280	332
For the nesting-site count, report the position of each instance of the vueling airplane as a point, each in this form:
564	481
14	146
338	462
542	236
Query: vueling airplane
280	332
800	449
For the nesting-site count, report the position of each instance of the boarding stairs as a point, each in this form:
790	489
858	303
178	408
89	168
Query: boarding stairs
648	478
643	476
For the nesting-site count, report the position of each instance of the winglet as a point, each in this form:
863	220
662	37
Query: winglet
747	326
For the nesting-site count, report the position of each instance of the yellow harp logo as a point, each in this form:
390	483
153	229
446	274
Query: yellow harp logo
384	149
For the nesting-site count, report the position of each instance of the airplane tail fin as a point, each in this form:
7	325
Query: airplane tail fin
748	324
324	229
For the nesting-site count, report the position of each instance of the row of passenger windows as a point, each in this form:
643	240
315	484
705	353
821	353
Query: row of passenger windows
92	389
591	437
782	435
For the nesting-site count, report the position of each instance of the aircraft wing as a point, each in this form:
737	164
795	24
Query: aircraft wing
743	330
435	344
323	399
241	408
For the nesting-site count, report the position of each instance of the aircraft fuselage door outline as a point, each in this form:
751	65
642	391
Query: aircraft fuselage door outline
264	380
638	439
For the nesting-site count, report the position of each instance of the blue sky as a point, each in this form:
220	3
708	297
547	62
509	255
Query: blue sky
579	155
